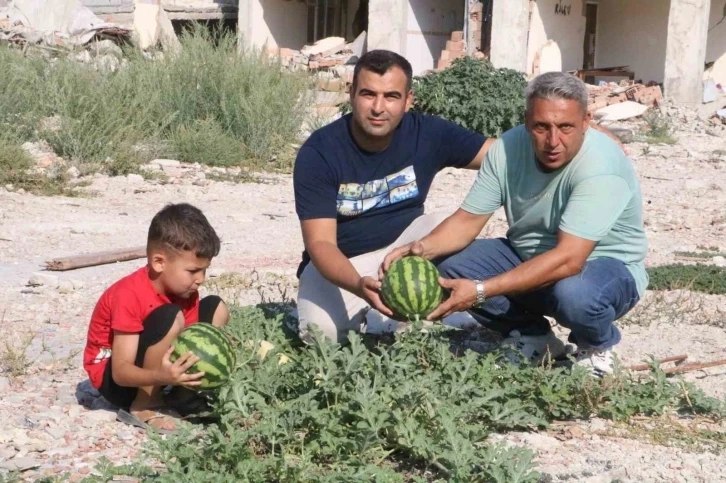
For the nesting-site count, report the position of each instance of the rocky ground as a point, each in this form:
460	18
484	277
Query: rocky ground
51	420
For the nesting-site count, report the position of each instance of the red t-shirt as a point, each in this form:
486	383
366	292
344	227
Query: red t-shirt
124	306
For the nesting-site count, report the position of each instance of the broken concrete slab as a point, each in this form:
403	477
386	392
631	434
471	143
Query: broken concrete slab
621	111
324	47
710	91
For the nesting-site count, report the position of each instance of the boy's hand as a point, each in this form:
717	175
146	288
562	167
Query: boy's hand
174	374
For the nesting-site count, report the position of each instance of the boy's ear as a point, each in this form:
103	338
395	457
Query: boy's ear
158	261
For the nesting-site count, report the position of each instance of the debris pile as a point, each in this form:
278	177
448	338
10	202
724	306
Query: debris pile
331	59
611	93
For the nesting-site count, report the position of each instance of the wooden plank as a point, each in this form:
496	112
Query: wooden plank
93	259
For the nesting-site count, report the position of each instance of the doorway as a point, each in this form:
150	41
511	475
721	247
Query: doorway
327	18
590	35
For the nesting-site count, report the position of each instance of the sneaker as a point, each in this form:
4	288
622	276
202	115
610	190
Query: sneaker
534	348
599	362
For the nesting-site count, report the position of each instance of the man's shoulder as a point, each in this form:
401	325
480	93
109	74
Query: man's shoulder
330	133
128	288
602	156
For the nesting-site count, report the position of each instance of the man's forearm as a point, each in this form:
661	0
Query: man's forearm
334	266
539	272
129	375
453	234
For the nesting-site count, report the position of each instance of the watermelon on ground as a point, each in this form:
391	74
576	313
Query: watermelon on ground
411	288
217	357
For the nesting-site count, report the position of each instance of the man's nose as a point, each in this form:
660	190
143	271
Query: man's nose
377	106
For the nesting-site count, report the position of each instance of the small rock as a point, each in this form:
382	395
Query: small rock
21	464
135	178
166	163
7	453
101	416
73	172
21	191
77	284
151	167
43	280
200	182
201	175
66	287
234	171
84	57
695	184
719	261
124	435
9	187
106	47
4	384
219	169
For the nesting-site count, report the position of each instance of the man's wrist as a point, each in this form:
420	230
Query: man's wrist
480	293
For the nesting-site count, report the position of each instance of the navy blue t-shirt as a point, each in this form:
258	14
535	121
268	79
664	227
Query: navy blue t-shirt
375	196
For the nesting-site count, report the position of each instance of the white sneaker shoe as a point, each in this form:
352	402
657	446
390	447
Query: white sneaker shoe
534	348
599	362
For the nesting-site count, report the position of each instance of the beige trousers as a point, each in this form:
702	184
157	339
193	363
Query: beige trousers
336	311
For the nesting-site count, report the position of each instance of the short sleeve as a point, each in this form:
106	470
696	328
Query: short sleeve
485	196
315	186
125	314
594	206
457	146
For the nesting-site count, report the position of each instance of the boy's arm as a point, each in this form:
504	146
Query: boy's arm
127	373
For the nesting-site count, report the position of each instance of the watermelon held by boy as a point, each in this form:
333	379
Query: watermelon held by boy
217	357
411	288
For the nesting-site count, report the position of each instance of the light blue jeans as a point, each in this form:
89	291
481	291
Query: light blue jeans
587	303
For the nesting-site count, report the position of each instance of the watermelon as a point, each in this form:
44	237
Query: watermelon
217	357
411	288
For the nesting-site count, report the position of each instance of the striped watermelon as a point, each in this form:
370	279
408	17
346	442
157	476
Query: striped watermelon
411	288
216	354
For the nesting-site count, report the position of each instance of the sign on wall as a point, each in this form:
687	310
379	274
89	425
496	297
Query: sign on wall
563	10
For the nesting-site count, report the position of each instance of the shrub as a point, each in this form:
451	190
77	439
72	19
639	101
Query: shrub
207	103
708	279
475	95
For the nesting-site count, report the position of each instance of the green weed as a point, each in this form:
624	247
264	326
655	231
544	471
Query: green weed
207	103
708	279
412	409
659	129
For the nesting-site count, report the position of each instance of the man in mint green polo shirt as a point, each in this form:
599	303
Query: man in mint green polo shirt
575	246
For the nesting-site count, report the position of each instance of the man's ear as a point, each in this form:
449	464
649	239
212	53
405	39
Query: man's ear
409	100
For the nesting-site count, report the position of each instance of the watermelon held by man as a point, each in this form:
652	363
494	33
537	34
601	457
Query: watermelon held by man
411	288
217	357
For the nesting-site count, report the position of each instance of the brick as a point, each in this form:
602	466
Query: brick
443	64
455	46
649	96
286	53
445	55
457	36
456	54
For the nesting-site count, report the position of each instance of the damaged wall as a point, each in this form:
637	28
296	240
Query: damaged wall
716	46
562	21
430	23
275	22
634	34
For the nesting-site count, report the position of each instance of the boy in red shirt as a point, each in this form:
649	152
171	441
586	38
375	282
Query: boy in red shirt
137	318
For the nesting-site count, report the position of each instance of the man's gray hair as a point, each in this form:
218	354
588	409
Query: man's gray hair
557	85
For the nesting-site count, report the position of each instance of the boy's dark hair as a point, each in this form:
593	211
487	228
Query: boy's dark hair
183	227
379	62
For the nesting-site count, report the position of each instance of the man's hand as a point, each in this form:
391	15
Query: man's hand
369	290
463	296
174	374
413	248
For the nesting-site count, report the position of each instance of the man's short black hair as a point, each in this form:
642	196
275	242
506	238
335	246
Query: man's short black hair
183	227
379	62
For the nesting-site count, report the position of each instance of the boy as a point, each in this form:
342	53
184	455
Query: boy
136	319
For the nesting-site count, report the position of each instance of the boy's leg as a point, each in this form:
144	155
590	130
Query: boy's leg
212	309
336	311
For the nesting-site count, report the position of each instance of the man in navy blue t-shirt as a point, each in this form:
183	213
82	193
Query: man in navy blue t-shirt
360	187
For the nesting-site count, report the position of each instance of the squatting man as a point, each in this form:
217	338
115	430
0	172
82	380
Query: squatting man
574	250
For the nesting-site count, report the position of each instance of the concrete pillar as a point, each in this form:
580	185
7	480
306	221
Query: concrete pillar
244	25
686	50
510	27
387	25
146	22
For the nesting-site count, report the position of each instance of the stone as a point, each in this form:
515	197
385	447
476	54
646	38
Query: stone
21	464
166	163
324	47
150	167
719	261
621	111
106	47
65	287
43	280
77	284
83	57
134	178
200	182
4	384
73	172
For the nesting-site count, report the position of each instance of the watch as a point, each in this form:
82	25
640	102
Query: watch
480	296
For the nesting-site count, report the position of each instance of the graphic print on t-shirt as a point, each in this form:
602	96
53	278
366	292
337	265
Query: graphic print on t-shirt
355	199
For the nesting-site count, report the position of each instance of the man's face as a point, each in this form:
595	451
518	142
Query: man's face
557	128
380	101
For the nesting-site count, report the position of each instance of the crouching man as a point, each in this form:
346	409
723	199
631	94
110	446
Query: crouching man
575	247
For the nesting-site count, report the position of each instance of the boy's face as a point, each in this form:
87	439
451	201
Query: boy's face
180	273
